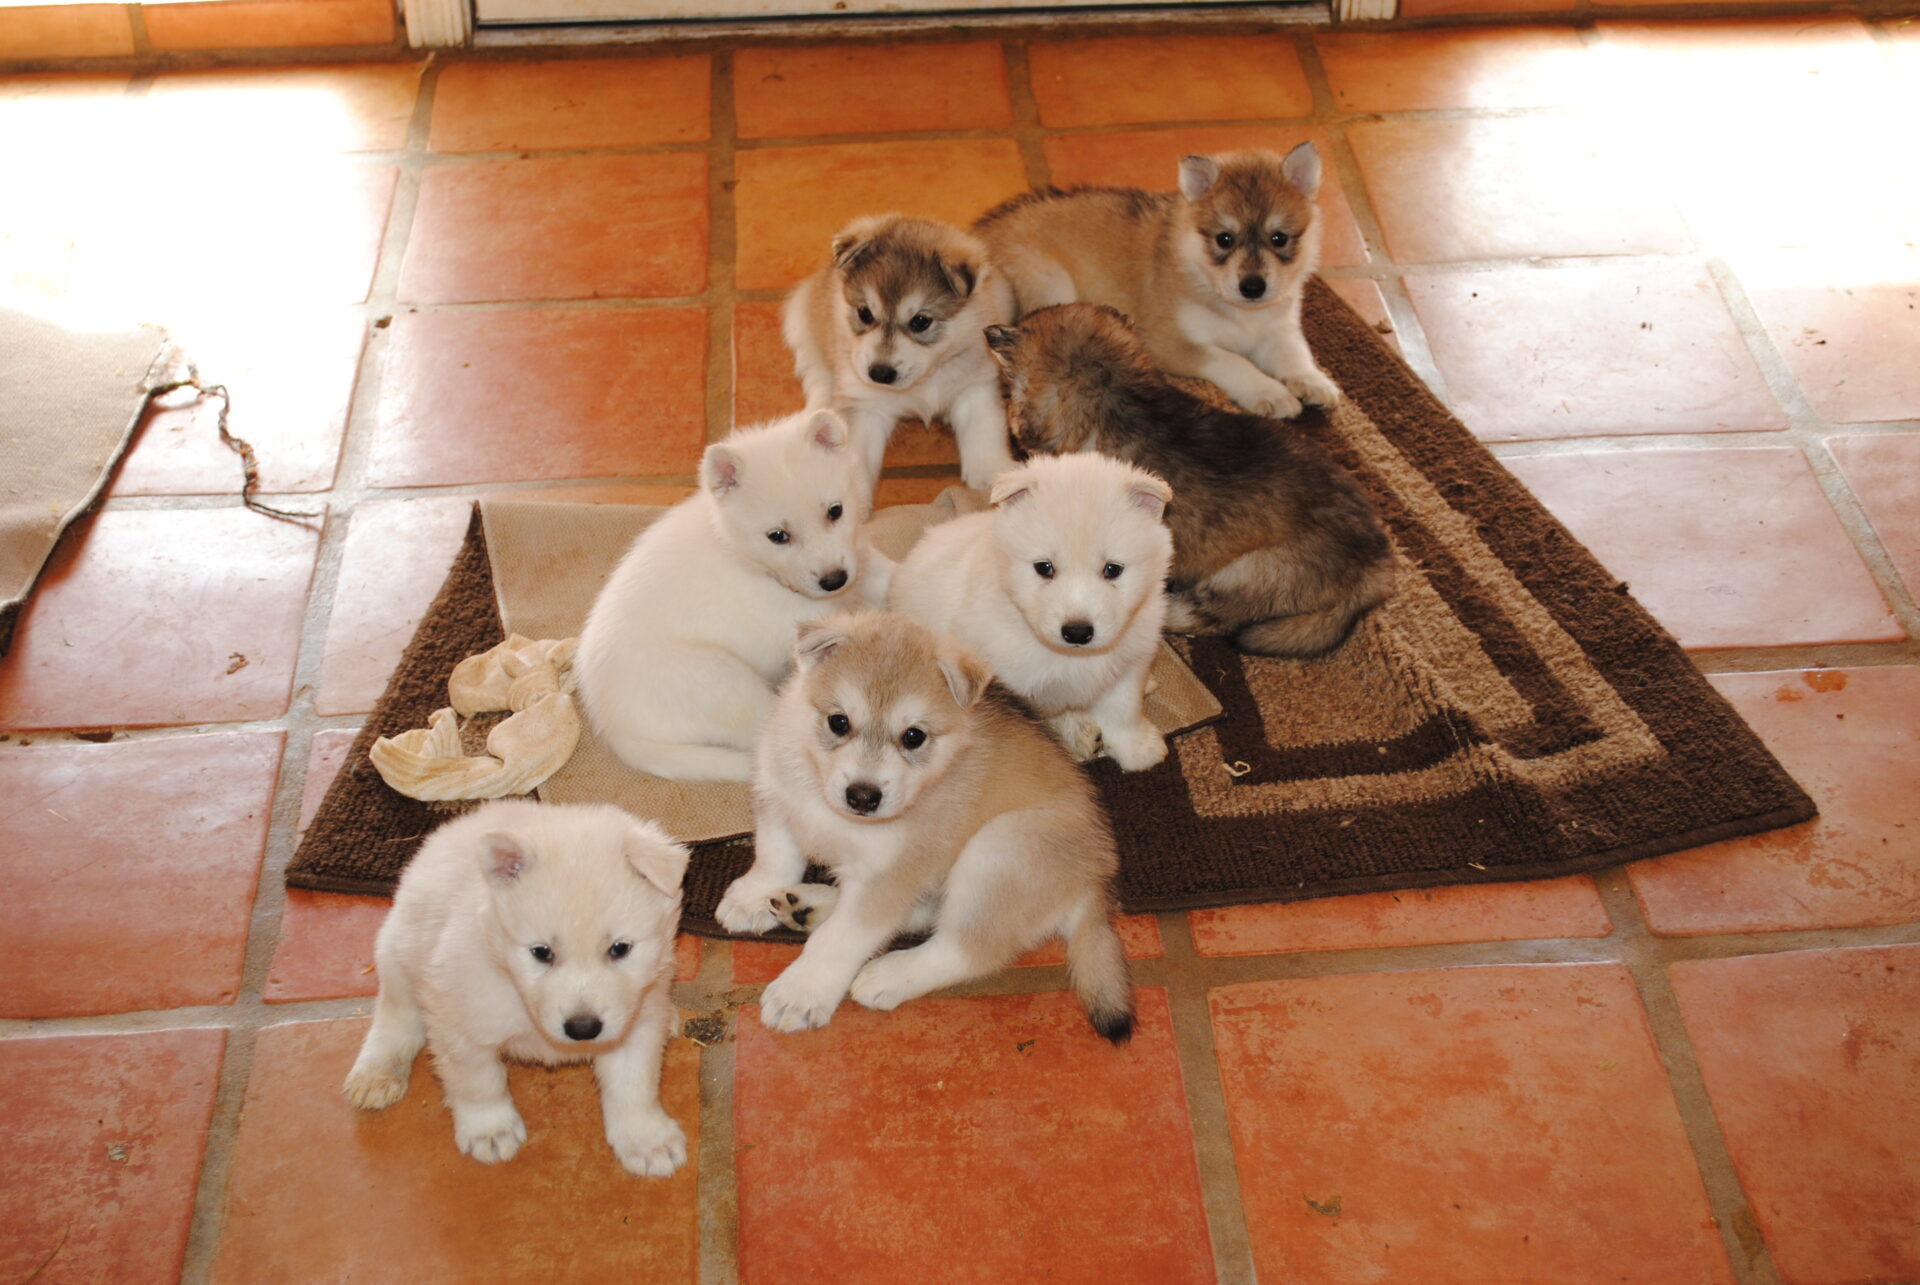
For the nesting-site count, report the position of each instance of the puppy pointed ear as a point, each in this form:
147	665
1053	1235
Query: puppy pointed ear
720	469
828	431
659	860
853	243
818	639
1150	493
967	676
505	856
1198	174
960	276
1302	169
1001	342
1010	486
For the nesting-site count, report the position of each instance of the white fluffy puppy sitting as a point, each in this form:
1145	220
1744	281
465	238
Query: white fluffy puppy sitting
1060	589
539	933
694	630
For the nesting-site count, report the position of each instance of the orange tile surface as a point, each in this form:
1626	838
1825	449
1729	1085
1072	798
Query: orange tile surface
764	385
119	898
101	1140
980	1098
325	758
1809	1059
1884	474
1433	1116
789	201
397	556
269	24
553	393
756	963
1123	80
326	947
361	107
1151	159
319	1189
143	618
795	91
1436	8
1419	917
1491	69
577	227
1727	548
1453	190
575	102
65	31
1531	354
1848	325
1851	737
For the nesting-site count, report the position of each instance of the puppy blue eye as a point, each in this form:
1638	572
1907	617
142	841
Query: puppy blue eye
1280	240
542	953
1044	570
866	316
913	738
833	513
1112	570
839	724
1224	240
920	323
620	950
778	537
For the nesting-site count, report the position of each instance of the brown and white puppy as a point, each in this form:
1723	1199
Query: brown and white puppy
1273	542
1211	274
890	330
939	803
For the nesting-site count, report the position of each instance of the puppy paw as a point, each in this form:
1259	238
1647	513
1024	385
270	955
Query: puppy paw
804	907
650	1144
746	907
1080	734
1135	748
798	1001
980	476
885	983
373	1086
490	1134
1312	388
1268	397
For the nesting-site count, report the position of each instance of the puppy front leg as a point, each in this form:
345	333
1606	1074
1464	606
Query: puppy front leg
648	1141
979	420
1286	357
1250	387
870	430
380	1073
1130	738
777	863
485	1124
805	995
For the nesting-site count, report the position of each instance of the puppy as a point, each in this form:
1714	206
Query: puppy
690	636
1273	542
939	805
890	330
1059	589
1211	274
539	933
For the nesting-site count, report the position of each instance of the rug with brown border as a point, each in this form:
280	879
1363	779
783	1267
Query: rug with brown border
1510	713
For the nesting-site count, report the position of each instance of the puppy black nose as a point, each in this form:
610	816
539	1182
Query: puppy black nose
881	374
1252	287
833	580
581	1028
862	798
1077	632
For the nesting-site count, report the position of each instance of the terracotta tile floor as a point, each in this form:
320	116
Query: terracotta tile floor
559	277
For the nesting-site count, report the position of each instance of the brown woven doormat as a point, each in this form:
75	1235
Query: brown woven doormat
1511	713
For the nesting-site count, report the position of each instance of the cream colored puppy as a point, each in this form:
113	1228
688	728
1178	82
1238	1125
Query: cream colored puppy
532	933
1060	590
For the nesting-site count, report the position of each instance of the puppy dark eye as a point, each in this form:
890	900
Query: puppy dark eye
913	738
1224	240
620	950
1044	570
919	323
839	724
833	513
542	953
1279	240
778	537
866	316
1112	570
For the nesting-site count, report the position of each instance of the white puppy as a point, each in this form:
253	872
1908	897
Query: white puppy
694	630
1060	589
540	933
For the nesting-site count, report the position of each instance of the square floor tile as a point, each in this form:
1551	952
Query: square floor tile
1851	737
322	1191
143	618
574	227
572	102
325	949
789	201
100	1144
548	393
291	379
397	556
793	91
1884	474
65	31
131	869
1486	68
755	963
267	24
1151	159
1531	353
998	1138
1416	917
1809	1061
1848	325
365	107
1420	1126
1432	8
1123	80
1727	548
1689	68
325	758
1362	294
1452	190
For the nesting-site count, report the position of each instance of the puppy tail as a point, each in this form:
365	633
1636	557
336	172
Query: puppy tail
682	762
1315	633
1097	971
